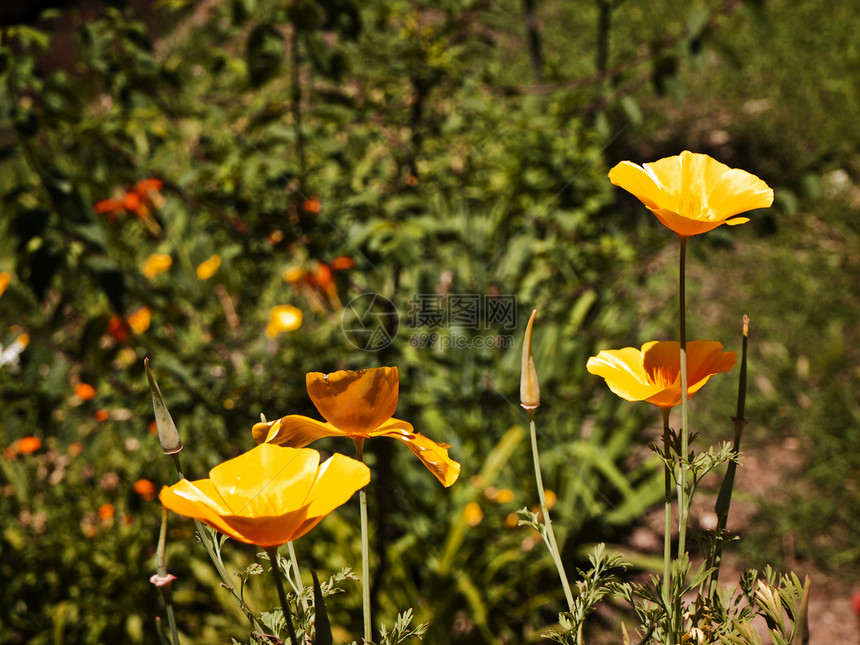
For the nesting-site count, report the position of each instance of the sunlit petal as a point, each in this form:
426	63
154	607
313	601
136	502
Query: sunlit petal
355	402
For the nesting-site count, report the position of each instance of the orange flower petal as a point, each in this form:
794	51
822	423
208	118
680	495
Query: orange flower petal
268	495
295	431
85	391
28	445
433	455
355	402
653	373
693	193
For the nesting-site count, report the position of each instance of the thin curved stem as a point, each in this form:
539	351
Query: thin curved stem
549	536
667	528
365	550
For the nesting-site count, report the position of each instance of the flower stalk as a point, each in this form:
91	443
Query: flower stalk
683	475
530	400
667	526
365	550
282	596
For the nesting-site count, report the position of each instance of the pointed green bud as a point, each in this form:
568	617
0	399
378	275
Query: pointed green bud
168	435
529	386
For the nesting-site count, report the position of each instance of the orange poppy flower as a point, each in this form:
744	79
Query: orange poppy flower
5	280
27	445
155	264
693	193
342	262
144	488
269	495
358	405
106	511
118	329
132	201
102	415
85	391
312	205
209	267
653	373
139	319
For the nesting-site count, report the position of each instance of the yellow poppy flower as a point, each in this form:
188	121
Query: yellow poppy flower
693	193
358	405
155	264
208	268
269	495
653	373
283	318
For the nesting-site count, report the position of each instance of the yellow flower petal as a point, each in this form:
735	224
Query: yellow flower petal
355	402
155	264
209	267
283	318
693	193
269	495
653	373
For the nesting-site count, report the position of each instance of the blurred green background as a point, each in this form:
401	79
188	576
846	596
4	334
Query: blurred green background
447	148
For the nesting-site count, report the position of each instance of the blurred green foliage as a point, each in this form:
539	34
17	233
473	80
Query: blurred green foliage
414	139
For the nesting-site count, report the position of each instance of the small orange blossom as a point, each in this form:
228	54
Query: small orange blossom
653	373
359	405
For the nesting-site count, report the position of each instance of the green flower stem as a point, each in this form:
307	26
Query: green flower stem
215	557
667	528
724	498
365	565
683	506
285	606
161	568
295	562
549	536
365	550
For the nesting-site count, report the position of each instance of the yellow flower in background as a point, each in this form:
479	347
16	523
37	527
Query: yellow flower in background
283	318
269	495
139	319
155	264
5	280
358	405
693	193
472	514
653	373
208	268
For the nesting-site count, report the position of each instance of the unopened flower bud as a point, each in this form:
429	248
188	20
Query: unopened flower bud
168	435
529	386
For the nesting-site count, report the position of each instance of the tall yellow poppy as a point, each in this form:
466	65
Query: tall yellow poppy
269	495
653	373
693	193
359	405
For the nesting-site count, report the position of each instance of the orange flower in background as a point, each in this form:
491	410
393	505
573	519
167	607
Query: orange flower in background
312	205
118	329
693	193
473	514
85	391
269	495
139	319
144	488
5	280
134	201
102	415
341	263
653	373
26	445
283	318
209	267
106	511
358	405
155	264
